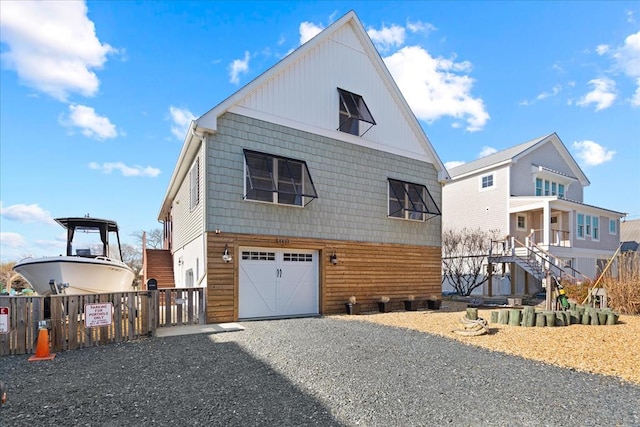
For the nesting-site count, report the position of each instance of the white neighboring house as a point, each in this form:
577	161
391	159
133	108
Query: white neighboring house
532	194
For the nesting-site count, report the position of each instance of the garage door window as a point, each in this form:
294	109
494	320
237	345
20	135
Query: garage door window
258	256
278	180
298	257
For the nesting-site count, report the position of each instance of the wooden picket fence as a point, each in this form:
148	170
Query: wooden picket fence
134	315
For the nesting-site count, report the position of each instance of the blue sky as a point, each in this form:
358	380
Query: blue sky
95	99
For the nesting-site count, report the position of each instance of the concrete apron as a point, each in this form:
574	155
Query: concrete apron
214	328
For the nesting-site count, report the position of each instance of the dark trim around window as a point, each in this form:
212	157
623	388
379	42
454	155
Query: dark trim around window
277	179
411	201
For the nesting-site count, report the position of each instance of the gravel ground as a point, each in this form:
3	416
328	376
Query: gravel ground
299	372
608	349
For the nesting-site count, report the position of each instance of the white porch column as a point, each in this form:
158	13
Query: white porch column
546	224
572	230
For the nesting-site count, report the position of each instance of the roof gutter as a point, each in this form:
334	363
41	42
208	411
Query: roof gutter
187	154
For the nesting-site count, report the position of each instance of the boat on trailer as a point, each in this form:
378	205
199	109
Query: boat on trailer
95	267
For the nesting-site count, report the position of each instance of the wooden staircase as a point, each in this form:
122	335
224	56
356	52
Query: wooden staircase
533	260
158	264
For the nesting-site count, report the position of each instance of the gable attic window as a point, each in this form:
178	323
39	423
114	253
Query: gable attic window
411	201
194	184
278	180
353	110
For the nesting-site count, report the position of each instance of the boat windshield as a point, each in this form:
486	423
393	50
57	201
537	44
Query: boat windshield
87	242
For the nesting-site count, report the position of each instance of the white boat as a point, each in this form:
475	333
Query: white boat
95	267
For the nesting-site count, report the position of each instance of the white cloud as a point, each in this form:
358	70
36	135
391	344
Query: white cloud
453	164
627	56
90	124
239	66
309	30
52	46
591	153
602	95
436	87
635	99
626	60
12	240
487	151
125	170
543	95
554	91
181	118
387	37
420	27
26	213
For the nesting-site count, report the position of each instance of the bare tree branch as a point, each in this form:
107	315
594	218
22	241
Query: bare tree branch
464	253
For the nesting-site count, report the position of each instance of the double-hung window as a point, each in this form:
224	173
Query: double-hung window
411	201
595	230
278	180
538	187
612	226
353	110
580	226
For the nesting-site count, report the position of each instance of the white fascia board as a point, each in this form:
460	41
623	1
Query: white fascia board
210	118
569	160
407	112
530	203
542	171
187	153
538	202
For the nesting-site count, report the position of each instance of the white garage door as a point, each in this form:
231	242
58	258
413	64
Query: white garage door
277	283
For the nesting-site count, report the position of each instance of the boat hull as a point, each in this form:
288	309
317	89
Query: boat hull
83	275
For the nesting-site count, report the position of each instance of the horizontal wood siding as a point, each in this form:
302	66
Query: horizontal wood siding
365	270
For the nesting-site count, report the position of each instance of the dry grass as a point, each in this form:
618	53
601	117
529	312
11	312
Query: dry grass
609	350
623	291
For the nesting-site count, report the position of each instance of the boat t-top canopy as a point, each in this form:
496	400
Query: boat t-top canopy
104	226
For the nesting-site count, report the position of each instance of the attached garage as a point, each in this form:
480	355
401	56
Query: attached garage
278	283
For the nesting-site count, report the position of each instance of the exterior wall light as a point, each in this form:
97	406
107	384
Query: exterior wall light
225	255
333	258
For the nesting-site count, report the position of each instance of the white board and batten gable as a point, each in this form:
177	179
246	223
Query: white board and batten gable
301	92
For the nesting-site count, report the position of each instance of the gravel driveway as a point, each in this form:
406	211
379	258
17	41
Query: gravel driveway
299	372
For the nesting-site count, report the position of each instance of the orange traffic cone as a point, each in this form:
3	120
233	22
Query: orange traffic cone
42	347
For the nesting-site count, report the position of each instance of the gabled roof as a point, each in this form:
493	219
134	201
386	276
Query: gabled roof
513	154
630	235
208	122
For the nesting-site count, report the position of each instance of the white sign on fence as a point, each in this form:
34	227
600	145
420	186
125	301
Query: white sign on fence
4	320
96	315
